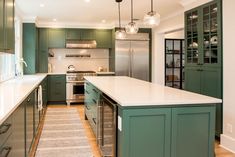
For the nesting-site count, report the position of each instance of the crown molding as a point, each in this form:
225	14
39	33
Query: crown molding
180	12
190	4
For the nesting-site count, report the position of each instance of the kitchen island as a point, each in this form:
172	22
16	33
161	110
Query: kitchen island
154	120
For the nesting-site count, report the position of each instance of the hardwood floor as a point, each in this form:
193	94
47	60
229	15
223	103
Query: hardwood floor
220	152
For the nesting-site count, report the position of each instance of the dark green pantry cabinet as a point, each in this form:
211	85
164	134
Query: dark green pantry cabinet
203	59
30	47
43	50
203	35
56	88
7	32
56	38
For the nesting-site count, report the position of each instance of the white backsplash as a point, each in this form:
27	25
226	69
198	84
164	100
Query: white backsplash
7	66
60	63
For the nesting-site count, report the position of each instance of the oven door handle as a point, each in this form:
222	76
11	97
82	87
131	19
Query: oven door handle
76	82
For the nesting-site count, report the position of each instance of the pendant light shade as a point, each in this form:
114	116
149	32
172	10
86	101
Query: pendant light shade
120	32
152	18
132	27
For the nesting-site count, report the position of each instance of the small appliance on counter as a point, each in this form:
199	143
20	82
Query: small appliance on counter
71	68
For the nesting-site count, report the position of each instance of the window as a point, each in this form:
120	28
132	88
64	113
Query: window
8	61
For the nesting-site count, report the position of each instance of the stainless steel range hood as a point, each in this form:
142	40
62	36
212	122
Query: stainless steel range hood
80	44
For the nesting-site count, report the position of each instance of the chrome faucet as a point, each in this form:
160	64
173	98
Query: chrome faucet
19	67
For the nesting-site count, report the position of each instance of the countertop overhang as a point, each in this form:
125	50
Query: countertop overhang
130	92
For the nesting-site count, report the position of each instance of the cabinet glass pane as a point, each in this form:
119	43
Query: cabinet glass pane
210	34
169	46
169	61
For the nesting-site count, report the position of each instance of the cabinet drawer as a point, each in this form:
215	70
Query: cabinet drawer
5	130
6	150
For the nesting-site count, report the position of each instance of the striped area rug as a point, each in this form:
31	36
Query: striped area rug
63	135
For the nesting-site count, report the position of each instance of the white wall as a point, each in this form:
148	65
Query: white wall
171	24
228	137
175	35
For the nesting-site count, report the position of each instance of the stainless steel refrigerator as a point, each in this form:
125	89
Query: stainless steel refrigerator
132	56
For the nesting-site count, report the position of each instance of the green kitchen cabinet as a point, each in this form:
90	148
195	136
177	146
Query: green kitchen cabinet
92	98
43	50
73	34
44	97
56	88
203	35
30	47
206	81
6	150
103	38
7	31
144	132
2	37
56	38
203	59
87	34
29	122
191	139
19	131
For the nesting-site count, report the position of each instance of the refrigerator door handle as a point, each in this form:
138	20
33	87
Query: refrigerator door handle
131	62
130	58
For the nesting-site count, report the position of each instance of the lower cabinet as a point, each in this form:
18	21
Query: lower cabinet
29	121
92	97
19	131
57	88
206	81
166	132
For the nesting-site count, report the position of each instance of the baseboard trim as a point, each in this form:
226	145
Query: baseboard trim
227	143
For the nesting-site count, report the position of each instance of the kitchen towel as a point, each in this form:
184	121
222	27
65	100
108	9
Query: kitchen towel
40	101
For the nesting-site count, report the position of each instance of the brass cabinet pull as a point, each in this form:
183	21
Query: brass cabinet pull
94	101
87	107
87	92
29	99
94	120
7	150
4	128
95	90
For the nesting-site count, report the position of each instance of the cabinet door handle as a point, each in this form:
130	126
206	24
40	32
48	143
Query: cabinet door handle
95	90
94	101
198	70
29	99
4	128
87	107
87	92
7	150
94	120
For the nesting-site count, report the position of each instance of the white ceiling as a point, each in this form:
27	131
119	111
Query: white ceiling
80	13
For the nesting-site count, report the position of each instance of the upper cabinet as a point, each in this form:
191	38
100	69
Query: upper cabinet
7	37
104	38
203	35
56	38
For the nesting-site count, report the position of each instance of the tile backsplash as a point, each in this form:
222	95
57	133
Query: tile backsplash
7	66
82	59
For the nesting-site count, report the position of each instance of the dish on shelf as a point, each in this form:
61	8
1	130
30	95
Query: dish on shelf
214	40
193	45
193	17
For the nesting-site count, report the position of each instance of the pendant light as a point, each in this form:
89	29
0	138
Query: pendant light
132	27
120	32
152	18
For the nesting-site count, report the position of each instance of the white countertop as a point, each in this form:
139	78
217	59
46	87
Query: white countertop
14	91
130	92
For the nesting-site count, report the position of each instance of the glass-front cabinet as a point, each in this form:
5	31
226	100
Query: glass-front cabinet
174	63
203	37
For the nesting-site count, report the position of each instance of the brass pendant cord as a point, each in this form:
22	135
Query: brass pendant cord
151	5
131	11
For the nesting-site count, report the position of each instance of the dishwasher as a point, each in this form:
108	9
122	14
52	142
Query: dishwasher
106	126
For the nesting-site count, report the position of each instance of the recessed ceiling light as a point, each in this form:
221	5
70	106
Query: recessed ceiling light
42	5
54	20
87	1
103	21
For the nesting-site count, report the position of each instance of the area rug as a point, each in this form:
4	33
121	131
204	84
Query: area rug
63	135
